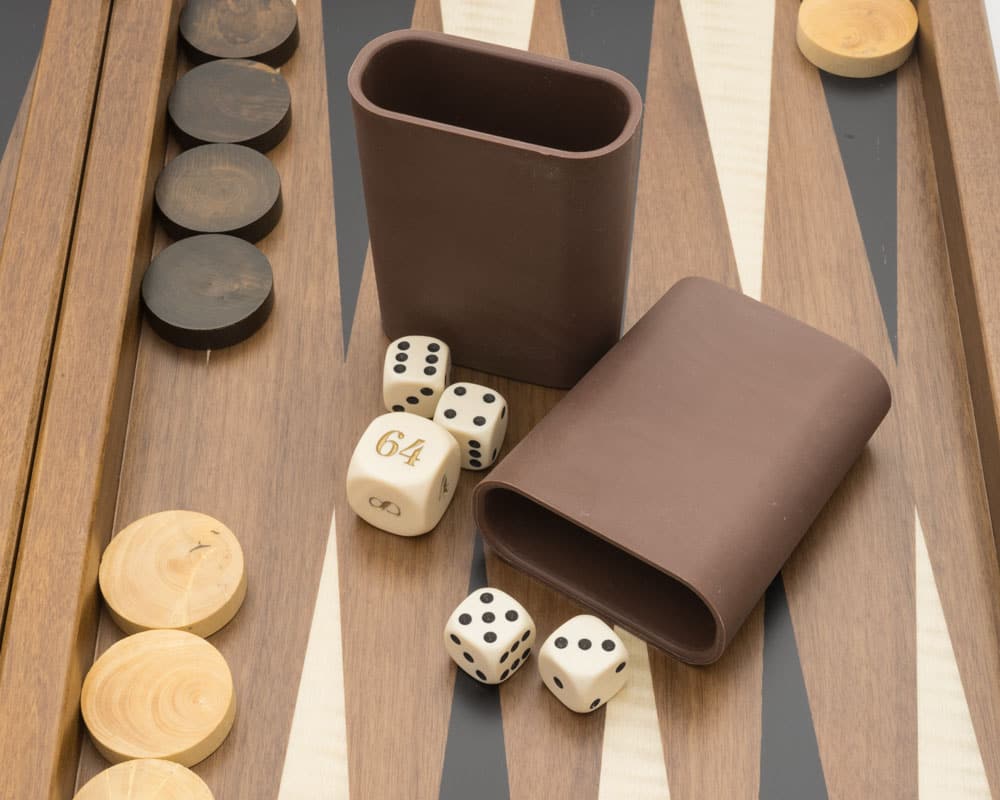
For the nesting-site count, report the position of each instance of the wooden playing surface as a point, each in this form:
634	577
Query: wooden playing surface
872	669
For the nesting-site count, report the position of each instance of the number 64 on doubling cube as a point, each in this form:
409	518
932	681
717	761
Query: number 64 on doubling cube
403	474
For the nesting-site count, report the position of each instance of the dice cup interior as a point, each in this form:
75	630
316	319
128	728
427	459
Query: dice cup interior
668	488
500	190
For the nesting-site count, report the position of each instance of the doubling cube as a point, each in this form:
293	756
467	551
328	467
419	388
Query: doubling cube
477	417
403	474
489	635
417	369
584	663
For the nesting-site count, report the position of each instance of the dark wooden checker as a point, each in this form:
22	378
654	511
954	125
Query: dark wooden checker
872	667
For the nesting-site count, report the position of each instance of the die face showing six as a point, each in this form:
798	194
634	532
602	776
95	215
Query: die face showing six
489	635
584	663
477	417
403	474
416	370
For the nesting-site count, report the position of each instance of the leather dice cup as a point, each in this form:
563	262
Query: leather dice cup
668	488
500	189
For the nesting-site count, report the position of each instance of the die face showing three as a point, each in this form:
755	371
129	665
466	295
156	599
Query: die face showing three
477	417
416	370
489	635
403	474
584	663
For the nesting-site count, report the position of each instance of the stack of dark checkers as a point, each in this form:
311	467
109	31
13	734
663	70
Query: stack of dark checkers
213	287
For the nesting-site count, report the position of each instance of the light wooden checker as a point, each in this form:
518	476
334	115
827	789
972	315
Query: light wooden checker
145	779
159	694
174	569
857	38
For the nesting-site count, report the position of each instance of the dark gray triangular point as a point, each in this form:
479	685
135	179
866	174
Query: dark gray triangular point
790	766
347	26
21	31
475	757
863	113
611	34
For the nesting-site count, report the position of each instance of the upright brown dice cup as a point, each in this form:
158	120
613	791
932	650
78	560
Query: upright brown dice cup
500	188
668	488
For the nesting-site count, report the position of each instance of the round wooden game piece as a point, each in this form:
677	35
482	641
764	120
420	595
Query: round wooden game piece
208	291
264	30
857	38
232	101
219	188
159	694
173	569
145	779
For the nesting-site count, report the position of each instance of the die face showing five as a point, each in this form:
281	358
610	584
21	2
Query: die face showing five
477	417
489	635
584	663
416	370
403	474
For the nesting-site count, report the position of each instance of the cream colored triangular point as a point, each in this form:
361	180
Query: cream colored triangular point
632	765
731	44
506	22
316	756
950	764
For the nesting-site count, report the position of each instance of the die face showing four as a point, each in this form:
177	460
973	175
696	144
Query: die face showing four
477	417
489	635
416	370
584	663
403	474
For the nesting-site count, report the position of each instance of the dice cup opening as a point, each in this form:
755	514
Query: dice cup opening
622	586
446	83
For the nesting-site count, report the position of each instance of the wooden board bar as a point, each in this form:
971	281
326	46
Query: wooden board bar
52	616
36	242
963	112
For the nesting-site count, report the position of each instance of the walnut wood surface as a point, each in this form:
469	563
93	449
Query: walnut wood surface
962	98
233	101
851	586
51	619
33	256
275	488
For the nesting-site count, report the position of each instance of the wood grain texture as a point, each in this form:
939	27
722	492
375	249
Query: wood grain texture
859	662
276	487
36	242
506	22
632	765
962	100
12	156
731	44
71	500
939	438
709	717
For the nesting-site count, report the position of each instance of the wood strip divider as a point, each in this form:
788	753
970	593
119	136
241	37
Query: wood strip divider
36	242
962	97
52	616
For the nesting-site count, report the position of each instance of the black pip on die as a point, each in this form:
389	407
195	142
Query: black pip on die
416	371
489	635
477	417
402	474
584	663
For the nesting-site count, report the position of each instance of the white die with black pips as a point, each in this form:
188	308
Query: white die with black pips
477	417
417	368
489	635
584	663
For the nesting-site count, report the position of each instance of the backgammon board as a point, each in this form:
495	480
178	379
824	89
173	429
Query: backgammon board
865	208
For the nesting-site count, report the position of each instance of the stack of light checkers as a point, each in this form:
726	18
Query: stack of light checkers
161	699
214	288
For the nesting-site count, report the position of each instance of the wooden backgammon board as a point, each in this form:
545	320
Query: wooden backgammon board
865	208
